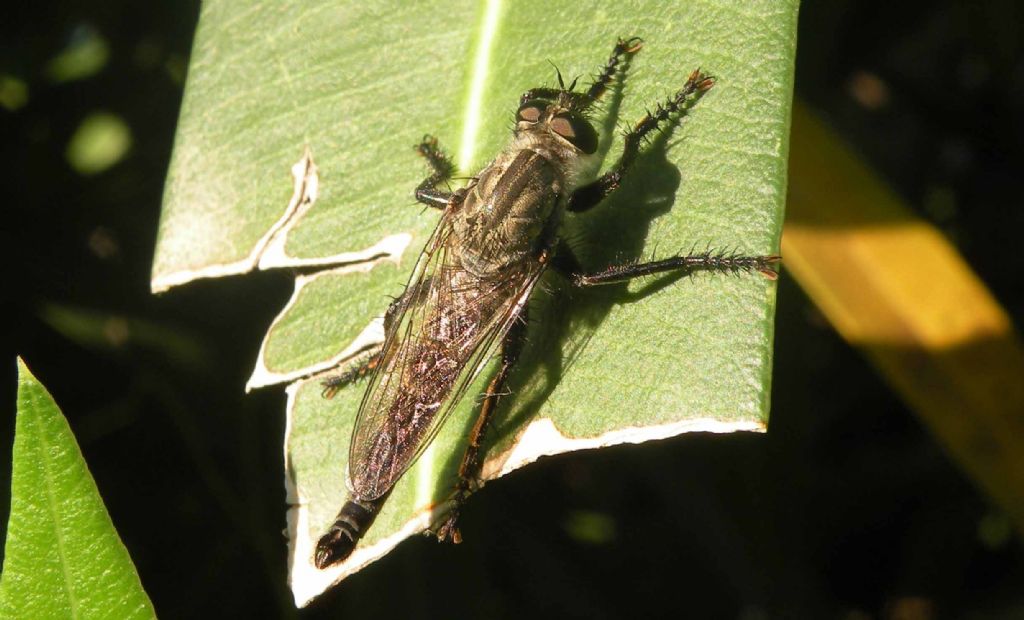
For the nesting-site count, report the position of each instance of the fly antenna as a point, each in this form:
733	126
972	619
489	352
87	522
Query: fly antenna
561	83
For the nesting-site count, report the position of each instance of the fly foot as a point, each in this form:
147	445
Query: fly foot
448	531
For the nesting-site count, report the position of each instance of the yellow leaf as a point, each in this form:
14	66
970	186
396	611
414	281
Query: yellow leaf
896	288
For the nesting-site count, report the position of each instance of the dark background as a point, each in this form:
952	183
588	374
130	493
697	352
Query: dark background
846	508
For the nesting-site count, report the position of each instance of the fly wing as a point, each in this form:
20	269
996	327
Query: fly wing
440	340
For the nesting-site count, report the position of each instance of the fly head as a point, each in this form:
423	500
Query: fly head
560	117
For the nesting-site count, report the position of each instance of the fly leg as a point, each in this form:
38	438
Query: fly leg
367	364
371	360
350	375
567	264
592	194
623	48
443	171
469	469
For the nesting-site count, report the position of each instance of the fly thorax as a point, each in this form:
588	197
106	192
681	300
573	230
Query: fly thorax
503	216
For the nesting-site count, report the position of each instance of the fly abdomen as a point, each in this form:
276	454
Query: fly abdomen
354	518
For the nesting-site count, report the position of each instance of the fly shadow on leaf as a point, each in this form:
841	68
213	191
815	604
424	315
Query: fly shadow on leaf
562	317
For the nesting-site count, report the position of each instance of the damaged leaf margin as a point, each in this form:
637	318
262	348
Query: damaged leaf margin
420	509
269	252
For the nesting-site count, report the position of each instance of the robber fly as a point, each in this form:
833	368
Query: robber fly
470	288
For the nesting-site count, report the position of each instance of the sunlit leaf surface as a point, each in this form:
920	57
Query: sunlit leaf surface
62	558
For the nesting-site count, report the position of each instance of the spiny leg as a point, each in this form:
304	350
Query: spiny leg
567	264
469	469
371	360
367	364
623	48
443	171
582	101
686	264
351	374
592	194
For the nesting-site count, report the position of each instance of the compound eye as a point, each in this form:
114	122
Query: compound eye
577	131
531	111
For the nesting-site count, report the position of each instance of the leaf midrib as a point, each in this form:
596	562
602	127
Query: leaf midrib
41	443
477	84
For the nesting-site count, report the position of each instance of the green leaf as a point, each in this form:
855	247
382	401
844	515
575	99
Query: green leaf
63	556
358	84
